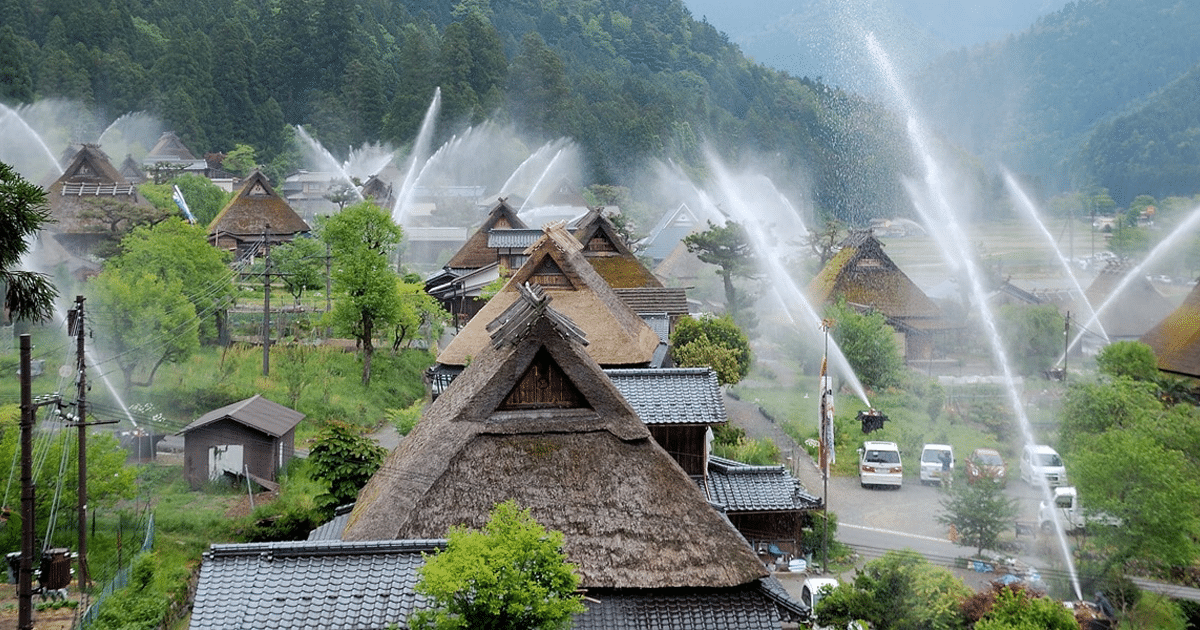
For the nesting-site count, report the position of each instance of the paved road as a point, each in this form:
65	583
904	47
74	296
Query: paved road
874	521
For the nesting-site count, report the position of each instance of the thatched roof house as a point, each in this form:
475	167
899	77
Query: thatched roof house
605	248
533	418
1176	339
256	210
617	336
89	181
1131	313
475	253
863	275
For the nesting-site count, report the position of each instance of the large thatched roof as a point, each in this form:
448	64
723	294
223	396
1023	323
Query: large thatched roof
475	253
1176	339
533	418
616	335
89	179
863	274
252	210
1132	312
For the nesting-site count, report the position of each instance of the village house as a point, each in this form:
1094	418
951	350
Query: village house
532	419
867	279
1176	339
257	214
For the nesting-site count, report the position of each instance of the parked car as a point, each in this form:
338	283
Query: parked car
986	464
1039	461
932	456
879	464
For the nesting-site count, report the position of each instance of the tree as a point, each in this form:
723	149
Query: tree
172	251
301	263
419	311
715	342
868	343
511	575
1132	359
361	238
23	211
899	591
241	160
728	247
1013	607
979	512
1033	336
118	218
144	320
344	461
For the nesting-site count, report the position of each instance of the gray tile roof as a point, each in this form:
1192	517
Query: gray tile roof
661	324
513	239
332	530
672	395
744	488
370	585
294	585
670	300
256	412
725	609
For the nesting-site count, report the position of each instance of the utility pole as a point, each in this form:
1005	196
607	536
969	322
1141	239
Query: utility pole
328	287
25	579
1066	344
81	411
266	326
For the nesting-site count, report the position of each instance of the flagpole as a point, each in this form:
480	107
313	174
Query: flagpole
825	445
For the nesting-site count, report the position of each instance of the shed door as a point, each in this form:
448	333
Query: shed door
224	458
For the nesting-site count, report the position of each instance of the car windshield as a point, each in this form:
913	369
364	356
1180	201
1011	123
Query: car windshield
1048	459
988	459
883	457
931	456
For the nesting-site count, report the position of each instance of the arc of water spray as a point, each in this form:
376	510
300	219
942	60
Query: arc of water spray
740	208
330	161
419	152
1026	204
957	239
1185	228
538	184
9	112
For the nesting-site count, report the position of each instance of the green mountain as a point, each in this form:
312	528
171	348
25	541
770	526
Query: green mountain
628	81
1034	100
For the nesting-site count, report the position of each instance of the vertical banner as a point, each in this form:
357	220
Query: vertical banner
828	456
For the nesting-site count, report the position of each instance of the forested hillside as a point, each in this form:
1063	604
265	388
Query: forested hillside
1032	100
627	80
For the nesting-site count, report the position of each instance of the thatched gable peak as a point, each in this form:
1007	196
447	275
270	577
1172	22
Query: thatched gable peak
578	457
91	165
863	274
617	336
475	253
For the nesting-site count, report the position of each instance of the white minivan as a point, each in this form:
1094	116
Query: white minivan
879	464
1041	461
932	456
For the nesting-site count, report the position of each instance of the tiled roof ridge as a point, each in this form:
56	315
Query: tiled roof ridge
734	466
295	548
658	371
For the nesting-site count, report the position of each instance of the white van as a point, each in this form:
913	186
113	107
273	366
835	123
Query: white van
879	464
1041	461
931	462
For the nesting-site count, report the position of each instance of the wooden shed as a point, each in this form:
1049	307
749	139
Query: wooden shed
255	437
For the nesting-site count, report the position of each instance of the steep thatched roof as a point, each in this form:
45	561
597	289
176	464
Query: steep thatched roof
1134	311
168	148
88	179
605	248
1176	339
617	336
254	208
475	253
863	274
534	419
